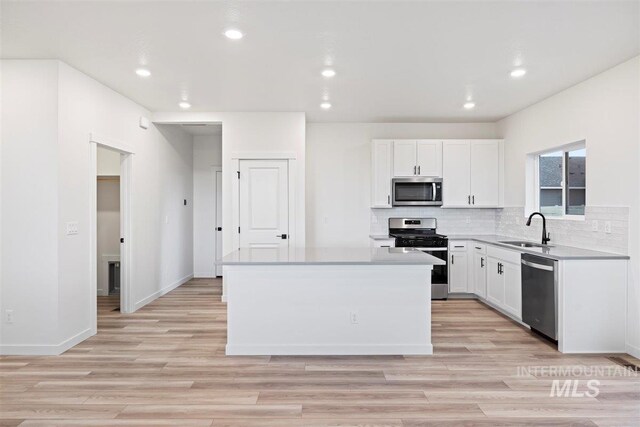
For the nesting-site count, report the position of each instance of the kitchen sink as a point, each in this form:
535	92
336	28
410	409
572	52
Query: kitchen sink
524	244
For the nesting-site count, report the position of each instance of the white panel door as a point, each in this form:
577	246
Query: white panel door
480	274
495	282
404	158
456	173
458	272
485	173
218	197
381	173
512	289
264	204
429	157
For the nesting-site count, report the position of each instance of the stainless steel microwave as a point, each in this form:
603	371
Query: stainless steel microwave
416	191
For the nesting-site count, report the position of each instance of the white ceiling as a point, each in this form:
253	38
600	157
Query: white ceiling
395	61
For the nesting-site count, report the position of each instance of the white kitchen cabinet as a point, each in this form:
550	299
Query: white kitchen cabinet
485	173
429	157
471	171
417	158
495	282
381	173
404	158
479	270
456	173
512	289
383	243
458	266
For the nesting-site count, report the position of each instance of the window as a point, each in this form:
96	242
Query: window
562	181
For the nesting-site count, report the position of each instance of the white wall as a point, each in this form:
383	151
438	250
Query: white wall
108	162
29	203
338	174
207	152
41	194
604	111
266	133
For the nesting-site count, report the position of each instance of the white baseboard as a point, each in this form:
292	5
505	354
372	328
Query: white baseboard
633	351
45	349
161	292
328	350
204	275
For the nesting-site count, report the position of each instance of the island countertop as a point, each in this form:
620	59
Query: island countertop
329	256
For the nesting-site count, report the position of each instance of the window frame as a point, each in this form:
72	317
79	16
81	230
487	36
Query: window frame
535	185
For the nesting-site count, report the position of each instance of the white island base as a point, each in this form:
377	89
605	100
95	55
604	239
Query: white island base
328	309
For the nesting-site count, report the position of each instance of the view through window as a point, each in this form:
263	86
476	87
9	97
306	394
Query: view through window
562	182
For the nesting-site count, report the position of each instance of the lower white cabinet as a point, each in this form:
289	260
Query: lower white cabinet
383	243
512	289
495	283
504	284
458	266
480	271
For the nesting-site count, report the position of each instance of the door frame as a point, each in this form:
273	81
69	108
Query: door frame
292	174
216	220
126	173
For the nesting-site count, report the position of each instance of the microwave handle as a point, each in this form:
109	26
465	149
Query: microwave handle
435	189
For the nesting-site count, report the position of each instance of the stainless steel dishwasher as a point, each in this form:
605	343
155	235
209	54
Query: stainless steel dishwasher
540	294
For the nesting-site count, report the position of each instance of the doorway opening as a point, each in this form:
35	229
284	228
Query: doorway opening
108	221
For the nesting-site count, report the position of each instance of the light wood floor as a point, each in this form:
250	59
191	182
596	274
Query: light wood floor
165	365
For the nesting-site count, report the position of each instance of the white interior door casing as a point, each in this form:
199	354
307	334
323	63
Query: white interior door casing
218	224
264	204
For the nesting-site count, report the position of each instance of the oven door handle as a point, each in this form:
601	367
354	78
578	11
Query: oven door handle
430	249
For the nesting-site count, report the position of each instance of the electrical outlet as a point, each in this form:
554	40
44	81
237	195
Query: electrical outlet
72	228
354	317
607	227
8	316
468	220
594	225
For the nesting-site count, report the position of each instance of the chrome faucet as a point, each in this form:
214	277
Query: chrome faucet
545	235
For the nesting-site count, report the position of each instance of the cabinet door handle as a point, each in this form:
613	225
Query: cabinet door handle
388	199
452	259
473	200
498	268
481	262
468	200
461	246
414	170
418	170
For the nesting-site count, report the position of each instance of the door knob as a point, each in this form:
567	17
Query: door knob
282	236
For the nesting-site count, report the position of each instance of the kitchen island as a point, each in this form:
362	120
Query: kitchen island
328	301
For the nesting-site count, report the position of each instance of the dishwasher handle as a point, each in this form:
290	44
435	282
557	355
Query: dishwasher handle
538	266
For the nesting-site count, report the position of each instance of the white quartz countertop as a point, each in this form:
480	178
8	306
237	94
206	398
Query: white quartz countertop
322	256
552	251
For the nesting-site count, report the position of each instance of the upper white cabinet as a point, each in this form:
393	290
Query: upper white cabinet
421	157
381	173
471	173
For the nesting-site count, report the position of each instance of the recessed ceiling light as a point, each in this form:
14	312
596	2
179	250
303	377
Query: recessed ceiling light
184	105
143	72
518	72
469	105
234	34
328	73
325	105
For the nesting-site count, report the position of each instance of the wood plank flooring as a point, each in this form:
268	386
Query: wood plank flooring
165	365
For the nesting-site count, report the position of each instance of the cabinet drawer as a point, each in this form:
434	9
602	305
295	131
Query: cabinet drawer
503	254
458	245
479	248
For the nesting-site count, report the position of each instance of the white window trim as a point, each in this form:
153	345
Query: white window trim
533	181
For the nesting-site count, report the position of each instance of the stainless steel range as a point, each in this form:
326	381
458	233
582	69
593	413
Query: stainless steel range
420	233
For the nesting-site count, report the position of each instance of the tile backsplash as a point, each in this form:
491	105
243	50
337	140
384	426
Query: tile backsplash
511	222
450	221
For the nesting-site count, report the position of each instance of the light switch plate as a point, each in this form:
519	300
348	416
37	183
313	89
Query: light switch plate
607	227
72	228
